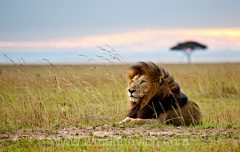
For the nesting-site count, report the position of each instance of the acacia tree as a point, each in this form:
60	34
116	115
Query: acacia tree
188	47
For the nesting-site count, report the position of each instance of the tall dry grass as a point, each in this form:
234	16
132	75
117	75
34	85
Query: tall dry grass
50	94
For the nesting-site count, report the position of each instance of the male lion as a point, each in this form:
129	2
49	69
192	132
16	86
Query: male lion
154	96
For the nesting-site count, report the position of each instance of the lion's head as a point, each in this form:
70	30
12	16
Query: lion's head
146	81
139	87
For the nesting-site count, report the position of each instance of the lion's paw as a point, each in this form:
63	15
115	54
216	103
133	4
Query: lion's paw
127	120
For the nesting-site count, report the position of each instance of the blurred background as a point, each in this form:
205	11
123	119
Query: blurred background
74	32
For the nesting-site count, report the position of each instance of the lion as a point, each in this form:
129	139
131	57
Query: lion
154	96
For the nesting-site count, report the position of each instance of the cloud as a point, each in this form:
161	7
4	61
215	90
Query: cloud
144	40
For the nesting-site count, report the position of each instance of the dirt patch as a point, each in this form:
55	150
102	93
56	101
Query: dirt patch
120	132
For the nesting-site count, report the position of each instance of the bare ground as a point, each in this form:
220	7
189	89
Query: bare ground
120	132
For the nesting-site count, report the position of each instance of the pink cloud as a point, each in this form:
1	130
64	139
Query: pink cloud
145	40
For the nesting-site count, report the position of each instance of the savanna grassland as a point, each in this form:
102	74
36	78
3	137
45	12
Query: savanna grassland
77	108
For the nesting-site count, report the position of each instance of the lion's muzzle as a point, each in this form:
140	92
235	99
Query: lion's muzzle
131	95
131	92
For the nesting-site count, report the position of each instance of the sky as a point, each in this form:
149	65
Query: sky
61	30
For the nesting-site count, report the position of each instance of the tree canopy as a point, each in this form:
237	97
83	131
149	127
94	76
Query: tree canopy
188	46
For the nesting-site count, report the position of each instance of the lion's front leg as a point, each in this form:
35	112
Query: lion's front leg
161	119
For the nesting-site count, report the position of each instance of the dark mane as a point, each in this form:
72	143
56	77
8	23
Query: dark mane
165	95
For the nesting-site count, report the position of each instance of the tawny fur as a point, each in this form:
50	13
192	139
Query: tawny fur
158	98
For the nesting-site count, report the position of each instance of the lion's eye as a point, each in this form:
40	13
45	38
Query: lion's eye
142	82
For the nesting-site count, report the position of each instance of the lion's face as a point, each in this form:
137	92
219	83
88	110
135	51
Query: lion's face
138	87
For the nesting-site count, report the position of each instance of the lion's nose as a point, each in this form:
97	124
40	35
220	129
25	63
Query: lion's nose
131	91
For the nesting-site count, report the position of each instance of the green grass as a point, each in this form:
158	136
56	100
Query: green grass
57	96
70	95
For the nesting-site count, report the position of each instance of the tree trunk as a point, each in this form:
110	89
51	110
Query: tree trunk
189	58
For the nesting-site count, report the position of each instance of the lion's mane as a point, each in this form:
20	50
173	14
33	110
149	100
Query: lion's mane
165	93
